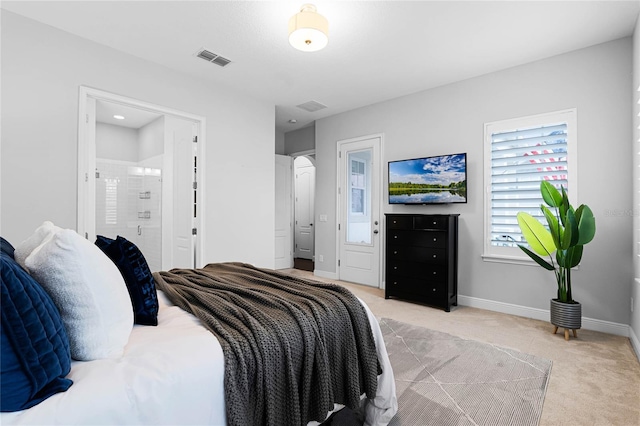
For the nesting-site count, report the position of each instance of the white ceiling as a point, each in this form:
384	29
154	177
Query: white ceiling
377	50
134	118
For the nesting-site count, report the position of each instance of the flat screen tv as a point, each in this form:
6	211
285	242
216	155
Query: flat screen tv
440	179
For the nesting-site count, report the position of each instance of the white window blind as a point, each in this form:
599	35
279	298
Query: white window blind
111	201
520	154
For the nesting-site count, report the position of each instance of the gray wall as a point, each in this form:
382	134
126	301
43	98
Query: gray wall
450	119
279	143
151	139
42	69
635	154
300	140
116	142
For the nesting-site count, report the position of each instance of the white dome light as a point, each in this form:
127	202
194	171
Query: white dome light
308	30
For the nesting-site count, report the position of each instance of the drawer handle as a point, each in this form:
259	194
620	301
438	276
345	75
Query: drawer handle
395	267
395	221
395	252
395	237
433	289
395	283
435	255
435	223
435	273
435	239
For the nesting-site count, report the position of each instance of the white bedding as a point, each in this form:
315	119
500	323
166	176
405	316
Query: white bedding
153	385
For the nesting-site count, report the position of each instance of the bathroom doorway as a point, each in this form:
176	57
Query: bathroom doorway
139	177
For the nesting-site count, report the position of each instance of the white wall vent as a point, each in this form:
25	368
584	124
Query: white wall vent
213	57
311	106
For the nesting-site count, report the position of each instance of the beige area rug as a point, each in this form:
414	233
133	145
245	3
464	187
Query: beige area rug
446	380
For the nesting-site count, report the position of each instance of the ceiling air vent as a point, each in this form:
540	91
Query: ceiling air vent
213	57
311	106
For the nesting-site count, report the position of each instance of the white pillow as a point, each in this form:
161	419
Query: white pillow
88	290
41	235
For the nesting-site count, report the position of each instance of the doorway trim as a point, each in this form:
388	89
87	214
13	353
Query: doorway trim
87	159
339	144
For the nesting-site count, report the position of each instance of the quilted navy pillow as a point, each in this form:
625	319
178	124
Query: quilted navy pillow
6	247
137	275
35	348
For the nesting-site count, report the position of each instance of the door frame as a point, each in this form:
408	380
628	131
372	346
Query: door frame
379	194
311	155
86	161
290	241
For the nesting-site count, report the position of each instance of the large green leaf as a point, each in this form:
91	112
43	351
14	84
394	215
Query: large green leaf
586	224
550	194
570	237
554	225
540	261
561	258
564	206
538	237
574	256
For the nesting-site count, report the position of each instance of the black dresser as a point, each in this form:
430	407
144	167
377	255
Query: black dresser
422	258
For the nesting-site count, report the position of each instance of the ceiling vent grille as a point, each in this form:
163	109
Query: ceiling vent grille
311	106
213	57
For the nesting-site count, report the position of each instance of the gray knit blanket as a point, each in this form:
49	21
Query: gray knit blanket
292	347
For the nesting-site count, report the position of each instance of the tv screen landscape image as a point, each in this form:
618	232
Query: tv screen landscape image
440	179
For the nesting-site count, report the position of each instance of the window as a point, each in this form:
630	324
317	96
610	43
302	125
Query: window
357	186
111	201
519	154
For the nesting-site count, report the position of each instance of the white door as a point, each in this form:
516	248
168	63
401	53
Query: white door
284	212
359	199
305	186
184	196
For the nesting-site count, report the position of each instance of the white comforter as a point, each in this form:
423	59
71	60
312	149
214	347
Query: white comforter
171	374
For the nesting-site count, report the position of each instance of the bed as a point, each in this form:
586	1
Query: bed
174	372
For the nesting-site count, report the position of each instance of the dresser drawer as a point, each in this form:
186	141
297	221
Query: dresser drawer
427	271
431	222
417	286
435	239
400	222
417	254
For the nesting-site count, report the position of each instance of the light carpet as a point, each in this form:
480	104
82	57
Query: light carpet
446	380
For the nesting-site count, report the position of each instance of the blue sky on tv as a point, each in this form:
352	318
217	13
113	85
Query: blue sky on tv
441	170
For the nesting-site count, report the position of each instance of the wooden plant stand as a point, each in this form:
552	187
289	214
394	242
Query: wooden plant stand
566	332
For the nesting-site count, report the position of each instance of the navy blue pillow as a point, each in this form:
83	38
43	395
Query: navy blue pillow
137	275
6	247
35	348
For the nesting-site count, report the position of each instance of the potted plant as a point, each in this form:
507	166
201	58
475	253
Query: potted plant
568	231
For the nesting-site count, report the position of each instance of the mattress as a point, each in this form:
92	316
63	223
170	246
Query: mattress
171	374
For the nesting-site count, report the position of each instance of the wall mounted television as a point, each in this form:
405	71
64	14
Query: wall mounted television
440	179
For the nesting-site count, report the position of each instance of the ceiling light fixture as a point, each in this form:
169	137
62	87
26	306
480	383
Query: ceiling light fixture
118	117
308	30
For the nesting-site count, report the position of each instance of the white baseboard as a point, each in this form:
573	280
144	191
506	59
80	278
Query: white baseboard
325	274
543	315
635	343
